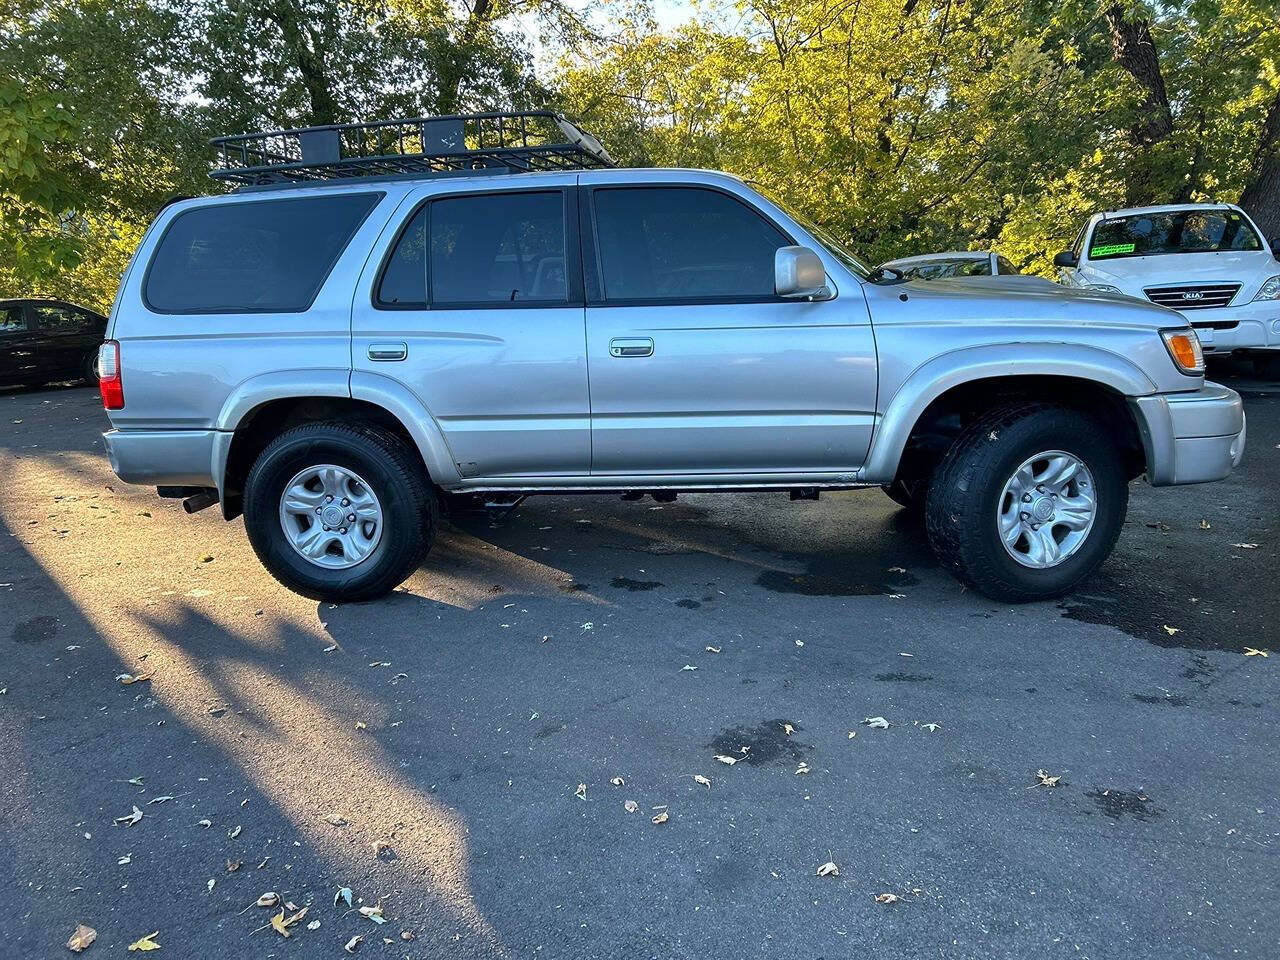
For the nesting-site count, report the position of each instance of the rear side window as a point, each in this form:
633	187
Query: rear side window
12	320
63	320
270	256
482	250
1006	267
683	243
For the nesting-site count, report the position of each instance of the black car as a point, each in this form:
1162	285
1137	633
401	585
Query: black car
46	340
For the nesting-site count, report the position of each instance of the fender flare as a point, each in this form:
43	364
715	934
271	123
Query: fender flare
991	361
418	421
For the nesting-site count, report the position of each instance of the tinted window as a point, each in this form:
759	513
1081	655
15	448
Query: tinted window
270	255
12	320
63	320
1005	266
673	243
1180	231
489	249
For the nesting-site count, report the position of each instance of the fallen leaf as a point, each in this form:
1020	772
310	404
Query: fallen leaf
406	935
313	925
581	792
146	943
829	869
210	884
360	725
688	666
788	729
803	768
618	782
1171	630
205	823
631	806
699	778
1204	525
799	643
728	760
335	820
344	893
712	649
852	734
887	898
232	834
897	569
329	649
1044	780
1255	652
374	914
1246	546
128	678
353	944
268	899
125	860
661	818
130	819
379	846
136	781
876	723
160	800
81	938
931	727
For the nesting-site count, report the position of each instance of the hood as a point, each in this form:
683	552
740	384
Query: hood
1034	301
1249	268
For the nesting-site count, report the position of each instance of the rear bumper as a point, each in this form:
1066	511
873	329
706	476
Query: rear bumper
177	458
1193	437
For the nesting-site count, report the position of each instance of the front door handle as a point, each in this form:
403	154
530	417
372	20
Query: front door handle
388	351
631	347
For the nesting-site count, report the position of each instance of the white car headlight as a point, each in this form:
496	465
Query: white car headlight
1270	290
1103	288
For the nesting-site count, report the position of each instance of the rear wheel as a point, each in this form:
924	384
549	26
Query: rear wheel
1267	364
91	368
1028	502
339	512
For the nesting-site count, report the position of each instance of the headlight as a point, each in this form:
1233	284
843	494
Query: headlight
1184	347
1103	288
1270	290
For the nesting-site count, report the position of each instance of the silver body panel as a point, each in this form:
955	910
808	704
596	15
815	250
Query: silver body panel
768	394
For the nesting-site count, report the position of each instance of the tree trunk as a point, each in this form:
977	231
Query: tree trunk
1261	198
454	71
1134	49
307	49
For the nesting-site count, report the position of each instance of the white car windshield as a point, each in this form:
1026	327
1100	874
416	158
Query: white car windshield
943	269
1175	231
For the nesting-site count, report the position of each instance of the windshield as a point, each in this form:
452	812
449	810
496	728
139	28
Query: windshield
943	269
822	235
1177	231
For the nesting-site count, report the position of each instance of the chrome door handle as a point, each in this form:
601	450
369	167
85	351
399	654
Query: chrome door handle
631	347
388	351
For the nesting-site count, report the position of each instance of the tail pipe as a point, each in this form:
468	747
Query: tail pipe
205	498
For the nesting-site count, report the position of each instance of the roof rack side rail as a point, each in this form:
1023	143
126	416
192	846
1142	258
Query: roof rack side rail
508	142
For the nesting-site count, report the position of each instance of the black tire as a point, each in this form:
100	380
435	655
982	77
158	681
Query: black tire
964	496
391	470
91	369
1267	365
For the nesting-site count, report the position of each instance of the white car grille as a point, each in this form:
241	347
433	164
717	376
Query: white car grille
1196	297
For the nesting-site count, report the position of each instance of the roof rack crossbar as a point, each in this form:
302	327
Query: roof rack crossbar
517	141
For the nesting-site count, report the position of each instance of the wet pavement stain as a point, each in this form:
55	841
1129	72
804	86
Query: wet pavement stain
902	677
635	586
1200	672
847	577
35	630
767	743
688	604
1117	804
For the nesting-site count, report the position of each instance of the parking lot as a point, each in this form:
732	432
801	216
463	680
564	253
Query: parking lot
464	753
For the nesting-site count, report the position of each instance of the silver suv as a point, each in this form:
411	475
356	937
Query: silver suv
369	329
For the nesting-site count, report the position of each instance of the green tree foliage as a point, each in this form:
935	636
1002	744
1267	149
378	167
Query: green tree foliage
902	125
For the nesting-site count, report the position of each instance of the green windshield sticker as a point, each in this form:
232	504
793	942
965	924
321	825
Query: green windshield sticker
1111	249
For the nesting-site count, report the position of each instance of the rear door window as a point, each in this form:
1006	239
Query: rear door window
481	250
269	256
683	243
62	320
12	320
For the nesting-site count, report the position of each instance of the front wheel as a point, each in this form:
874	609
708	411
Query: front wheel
1028	502
339	512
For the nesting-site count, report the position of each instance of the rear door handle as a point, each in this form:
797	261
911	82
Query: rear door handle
388	351
631	347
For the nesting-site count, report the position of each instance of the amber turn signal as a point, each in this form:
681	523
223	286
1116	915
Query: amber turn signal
1184	347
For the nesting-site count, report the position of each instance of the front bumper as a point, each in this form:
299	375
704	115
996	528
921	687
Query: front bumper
1192	437
1256	326
178	458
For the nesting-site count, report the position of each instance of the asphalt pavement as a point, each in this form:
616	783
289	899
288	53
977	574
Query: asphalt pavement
486	754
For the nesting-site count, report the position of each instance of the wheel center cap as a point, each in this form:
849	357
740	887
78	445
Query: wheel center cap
1042	509
332	516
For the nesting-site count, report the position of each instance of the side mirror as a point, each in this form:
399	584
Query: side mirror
1066	259
798	273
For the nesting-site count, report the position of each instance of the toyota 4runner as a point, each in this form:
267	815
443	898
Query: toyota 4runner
387	317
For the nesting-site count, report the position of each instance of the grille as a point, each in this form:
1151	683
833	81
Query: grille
1199	297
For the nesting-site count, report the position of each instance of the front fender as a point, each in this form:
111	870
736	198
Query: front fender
988	362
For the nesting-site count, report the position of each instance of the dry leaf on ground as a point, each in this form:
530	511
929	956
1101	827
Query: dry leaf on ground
1171	630
829	869
712	649
81	938
730	761
344	893
631	806
129	819
235	832
876	723
1255	652
1044	780
146	943
803	768
788	729
581	792
661	818
335	820
699	778
887	898
618	782
268	899
354	944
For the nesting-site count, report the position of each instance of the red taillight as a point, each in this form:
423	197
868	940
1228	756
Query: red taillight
109	381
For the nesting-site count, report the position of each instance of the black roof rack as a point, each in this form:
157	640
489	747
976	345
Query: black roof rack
423	146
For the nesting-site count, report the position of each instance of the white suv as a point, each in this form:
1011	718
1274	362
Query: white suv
1208	261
